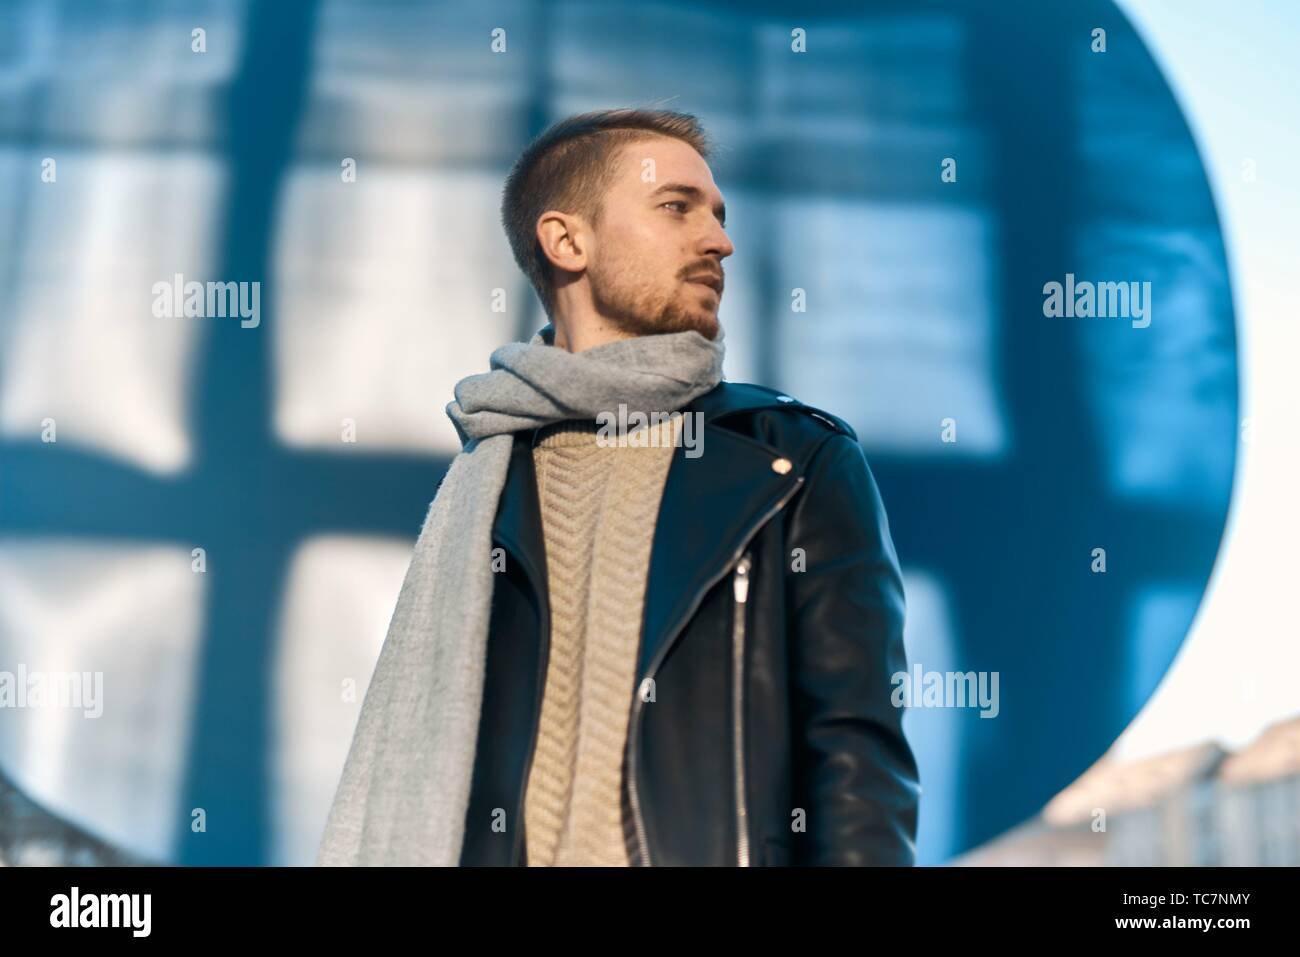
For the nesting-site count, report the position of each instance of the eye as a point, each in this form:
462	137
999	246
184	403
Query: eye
676	202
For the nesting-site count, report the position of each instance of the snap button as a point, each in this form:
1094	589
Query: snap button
781	466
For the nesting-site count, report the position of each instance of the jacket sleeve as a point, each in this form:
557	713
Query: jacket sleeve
855	774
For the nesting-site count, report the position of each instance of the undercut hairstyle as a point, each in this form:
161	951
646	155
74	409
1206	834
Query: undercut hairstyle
570	167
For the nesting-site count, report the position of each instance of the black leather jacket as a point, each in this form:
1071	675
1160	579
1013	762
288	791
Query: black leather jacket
765	733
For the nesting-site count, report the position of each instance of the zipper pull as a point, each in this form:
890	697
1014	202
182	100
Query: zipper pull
741	586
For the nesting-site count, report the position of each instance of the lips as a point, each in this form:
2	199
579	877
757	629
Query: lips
713	282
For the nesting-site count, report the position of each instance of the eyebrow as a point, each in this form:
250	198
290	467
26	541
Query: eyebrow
695	193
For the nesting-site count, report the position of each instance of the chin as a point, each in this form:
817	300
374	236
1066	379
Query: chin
708	326
678	317
705	323
691	316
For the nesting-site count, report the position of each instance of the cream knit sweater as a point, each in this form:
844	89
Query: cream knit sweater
600	504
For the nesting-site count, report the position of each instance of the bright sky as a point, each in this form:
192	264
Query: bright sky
1233	69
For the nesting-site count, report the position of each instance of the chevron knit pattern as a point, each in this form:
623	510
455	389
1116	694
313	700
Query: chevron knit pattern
599	504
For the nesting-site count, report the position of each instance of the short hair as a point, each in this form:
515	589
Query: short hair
569	167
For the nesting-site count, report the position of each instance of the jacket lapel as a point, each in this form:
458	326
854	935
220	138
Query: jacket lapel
711	503
518	525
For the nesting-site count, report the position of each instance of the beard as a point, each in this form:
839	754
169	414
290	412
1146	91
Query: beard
648	310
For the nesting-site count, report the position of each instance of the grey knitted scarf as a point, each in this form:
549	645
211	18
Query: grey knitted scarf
405	786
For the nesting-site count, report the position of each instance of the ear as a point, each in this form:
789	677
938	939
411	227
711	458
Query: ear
563	239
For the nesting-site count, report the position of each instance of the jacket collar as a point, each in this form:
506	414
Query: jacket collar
711	505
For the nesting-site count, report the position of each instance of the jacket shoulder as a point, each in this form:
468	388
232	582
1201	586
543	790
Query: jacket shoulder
728	399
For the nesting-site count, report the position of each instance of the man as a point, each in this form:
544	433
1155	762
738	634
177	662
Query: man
669	645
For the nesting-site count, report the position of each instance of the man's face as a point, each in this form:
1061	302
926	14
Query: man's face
656	264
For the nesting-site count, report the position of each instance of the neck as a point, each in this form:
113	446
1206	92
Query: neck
576	335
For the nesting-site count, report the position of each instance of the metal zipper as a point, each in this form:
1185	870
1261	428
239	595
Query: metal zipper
740	590
637	817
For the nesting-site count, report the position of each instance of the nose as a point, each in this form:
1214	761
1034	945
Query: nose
717	243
